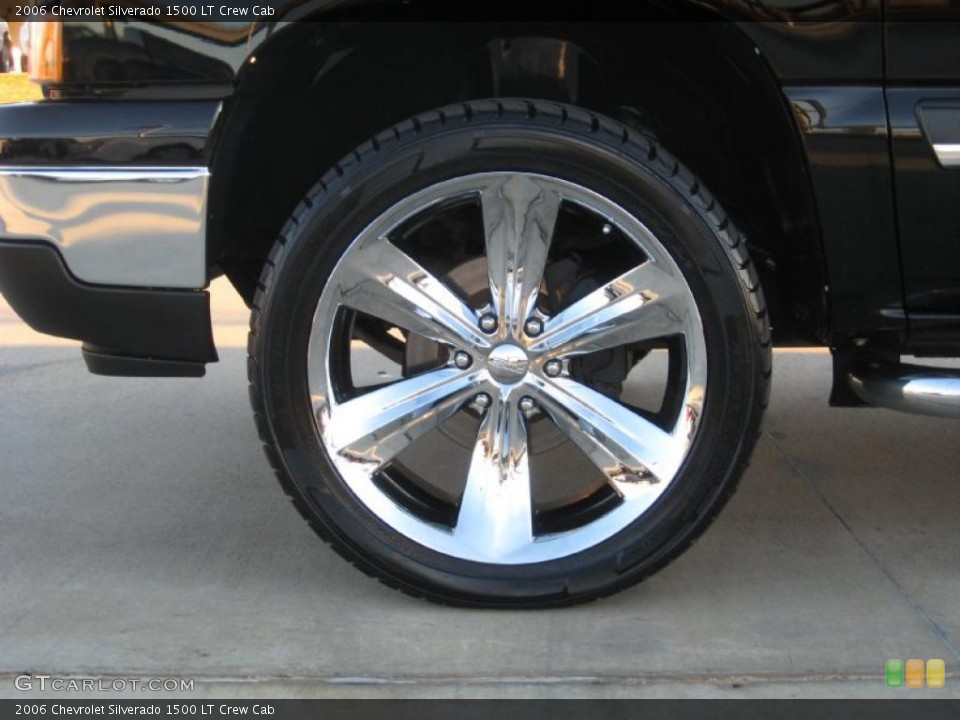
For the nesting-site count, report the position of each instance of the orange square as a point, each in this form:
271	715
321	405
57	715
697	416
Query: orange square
915	673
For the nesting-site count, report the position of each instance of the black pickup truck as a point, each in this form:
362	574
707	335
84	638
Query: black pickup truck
514	286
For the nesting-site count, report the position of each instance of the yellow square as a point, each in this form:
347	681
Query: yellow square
914	673
936	673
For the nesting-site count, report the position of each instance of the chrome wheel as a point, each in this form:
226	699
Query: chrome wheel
479	356
505	369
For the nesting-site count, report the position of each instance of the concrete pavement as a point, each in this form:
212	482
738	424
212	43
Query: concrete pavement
142	534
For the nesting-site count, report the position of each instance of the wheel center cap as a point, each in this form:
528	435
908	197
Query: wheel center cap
507	363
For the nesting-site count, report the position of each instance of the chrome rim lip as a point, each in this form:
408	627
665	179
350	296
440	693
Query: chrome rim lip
357	467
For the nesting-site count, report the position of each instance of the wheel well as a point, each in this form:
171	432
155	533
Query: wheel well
318	90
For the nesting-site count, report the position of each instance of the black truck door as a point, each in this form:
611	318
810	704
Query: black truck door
922	50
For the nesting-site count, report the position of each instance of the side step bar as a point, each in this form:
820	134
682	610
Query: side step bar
909	388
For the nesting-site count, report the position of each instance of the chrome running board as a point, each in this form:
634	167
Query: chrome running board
909	388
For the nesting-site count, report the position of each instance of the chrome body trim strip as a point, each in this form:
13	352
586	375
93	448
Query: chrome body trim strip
131	226
948	154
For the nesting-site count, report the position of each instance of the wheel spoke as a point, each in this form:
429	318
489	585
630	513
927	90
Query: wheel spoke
645	303
374	428
518	217
496	513
383	281
630	450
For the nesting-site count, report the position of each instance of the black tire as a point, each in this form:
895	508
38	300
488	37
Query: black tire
568	142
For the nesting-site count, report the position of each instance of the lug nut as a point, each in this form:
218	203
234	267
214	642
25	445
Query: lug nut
527	404
533	327
462	360
488	323
552	368
482	400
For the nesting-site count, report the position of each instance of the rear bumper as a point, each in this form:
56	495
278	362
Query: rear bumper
125	330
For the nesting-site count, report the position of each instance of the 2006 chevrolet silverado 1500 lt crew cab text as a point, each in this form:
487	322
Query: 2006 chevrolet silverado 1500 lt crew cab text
566	248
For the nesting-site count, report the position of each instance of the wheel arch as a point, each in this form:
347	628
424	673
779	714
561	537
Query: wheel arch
312	93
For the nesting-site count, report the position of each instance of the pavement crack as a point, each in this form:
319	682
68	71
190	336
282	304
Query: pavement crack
904	592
